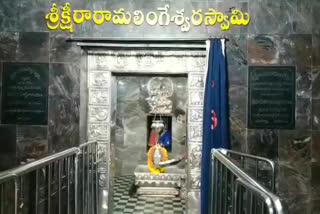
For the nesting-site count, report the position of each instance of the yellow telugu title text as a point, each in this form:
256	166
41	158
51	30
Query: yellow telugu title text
65	19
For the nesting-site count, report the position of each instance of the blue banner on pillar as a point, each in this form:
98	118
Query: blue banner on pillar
215	115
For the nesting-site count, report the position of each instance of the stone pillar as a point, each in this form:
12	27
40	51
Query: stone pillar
99	88
195	114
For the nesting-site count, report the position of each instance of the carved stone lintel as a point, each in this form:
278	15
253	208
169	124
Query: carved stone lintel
148	61
98	61
198	64
99	79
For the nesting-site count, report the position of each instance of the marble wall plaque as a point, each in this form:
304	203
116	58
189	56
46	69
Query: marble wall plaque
25	94
271	97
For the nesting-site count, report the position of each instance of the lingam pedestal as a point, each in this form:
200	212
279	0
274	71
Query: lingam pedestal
167	184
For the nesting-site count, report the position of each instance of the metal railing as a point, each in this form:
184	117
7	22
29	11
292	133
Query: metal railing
234	191
51	185
261	169
251	200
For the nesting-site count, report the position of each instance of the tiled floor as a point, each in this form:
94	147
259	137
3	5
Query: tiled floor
124	203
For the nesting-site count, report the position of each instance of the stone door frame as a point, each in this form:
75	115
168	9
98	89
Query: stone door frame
103	62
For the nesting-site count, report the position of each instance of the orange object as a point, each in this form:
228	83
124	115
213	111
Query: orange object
164	156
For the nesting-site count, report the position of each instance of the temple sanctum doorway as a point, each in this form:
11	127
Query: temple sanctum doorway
139	92
139	104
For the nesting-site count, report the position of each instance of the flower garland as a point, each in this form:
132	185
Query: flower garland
164	155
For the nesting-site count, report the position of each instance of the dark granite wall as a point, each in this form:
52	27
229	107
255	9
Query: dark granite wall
282	32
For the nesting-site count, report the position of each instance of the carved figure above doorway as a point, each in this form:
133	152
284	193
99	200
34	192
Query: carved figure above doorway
160	90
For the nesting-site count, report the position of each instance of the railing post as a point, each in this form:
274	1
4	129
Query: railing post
246	191
211	186
16	190
76	182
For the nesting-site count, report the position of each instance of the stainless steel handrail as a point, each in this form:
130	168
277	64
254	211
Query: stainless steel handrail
59	162
14	174
37	164
219	154
90	179
258	193
256	159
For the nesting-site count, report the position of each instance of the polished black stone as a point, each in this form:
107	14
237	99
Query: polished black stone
271	97
304	82
8	147
33	47
8	45
64	103
238	139
316	82
303	113
316	114
30	14
268	17
316	50
295	168
263	142
32	142
9	15
8	139
61	50
236	49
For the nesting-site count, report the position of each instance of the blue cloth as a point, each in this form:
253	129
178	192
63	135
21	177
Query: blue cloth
215	116
165	139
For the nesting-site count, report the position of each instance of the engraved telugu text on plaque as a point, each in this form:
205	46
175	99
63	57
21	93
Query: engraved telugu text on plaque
25	94
271	97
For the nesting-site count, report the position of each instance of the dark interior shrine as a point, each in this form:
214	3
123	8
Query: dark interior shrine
143	106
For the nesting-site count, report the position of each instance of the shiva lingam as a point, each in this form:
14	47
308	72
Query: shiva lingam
156	153
155	179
